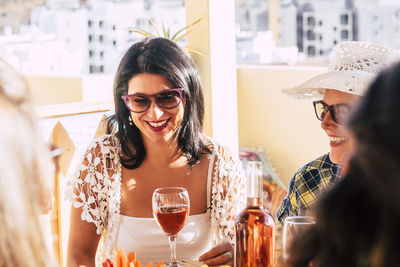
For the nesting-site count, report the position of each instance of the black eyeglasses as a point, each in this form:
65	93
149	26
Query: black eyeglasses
167	99
339	112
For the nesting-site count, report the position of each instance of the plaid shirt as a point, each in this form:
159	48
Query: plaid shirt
306	185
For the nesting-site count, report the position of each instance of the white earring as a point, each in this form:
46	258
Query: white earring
130	120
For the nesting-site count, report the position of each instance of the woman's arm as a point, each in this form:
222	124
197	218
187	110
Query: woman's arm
87	190
82	241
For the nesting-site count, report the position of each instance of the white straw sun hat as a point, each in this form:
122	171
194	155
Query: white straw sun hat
352	66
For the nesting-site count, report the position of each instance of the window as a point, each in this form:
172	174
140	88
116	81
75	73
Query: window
101	54
91	69
114	43
89	23
101	68
310	35
91	53
344	19
311	50
344	34
90	38
310	21
101	23
101	38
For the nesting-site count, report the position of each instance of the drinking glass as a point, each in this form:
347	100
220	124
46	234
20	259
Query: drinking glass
292	227
170	210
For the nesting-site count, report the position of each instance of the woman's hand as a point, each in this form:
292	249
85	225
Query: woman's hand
219	255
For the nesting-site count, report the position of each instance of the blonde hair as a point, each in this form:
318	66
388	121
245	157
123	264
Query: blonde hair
23	174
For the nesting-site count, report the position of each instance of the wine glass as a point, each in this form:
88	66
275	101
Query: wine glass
170	210
292	227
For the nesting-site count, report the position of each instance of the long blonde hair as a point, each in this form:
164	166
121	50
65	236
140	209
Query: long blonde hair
23	174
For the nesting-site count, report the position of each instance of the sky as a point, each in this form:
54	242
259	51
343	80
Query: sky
390	2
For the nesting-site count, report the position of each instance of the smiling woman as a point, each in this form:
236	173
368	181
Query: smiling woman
358	220
158	142
352	67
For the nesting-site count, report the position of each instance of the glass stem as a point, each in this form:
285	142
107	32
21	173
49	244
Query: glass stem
172	244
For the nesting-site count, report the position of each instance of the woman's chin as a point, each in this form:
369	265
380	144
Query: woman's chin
341	155
160	139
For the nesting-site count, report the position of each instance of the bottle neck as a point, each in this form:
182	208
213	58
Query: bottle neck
255	202
254	188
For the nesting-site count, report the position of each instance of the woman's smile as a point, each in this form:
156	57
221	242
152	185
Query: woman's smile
337	140
158	126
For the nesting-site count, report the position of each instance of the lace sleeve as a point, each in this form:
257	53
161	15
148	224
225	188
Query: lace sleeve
228	195
88	187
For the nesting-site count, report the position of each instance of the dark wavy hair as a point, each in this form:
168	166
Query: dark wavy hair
159	56
358	220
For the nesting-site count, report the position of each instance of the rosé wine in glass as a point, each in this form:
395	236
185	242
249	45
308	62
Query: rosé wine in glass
172	219
171	209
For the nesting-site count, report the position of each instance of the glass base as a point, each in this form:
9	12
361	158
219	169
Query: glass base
174	264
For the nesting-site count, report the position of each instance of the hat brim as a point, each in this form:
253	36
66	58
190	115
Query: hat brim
351	82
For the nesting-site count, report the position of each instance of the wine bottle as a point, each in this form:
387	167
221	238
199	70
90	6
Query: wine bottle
254	226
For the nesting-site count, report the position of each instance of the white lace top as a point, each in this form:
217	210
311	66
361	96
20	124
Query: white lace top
192	241
96	188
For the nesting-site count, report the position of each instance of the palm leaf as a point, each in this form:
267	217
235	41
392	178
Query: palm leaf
165	32
177	39
140	31
185	28
155	27
192	50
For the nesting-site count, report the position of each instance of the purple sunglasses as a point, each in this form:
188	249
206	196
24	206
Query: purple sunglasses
167	99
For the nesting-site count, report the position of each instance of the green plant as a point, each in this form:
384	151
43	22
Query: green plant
166	33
